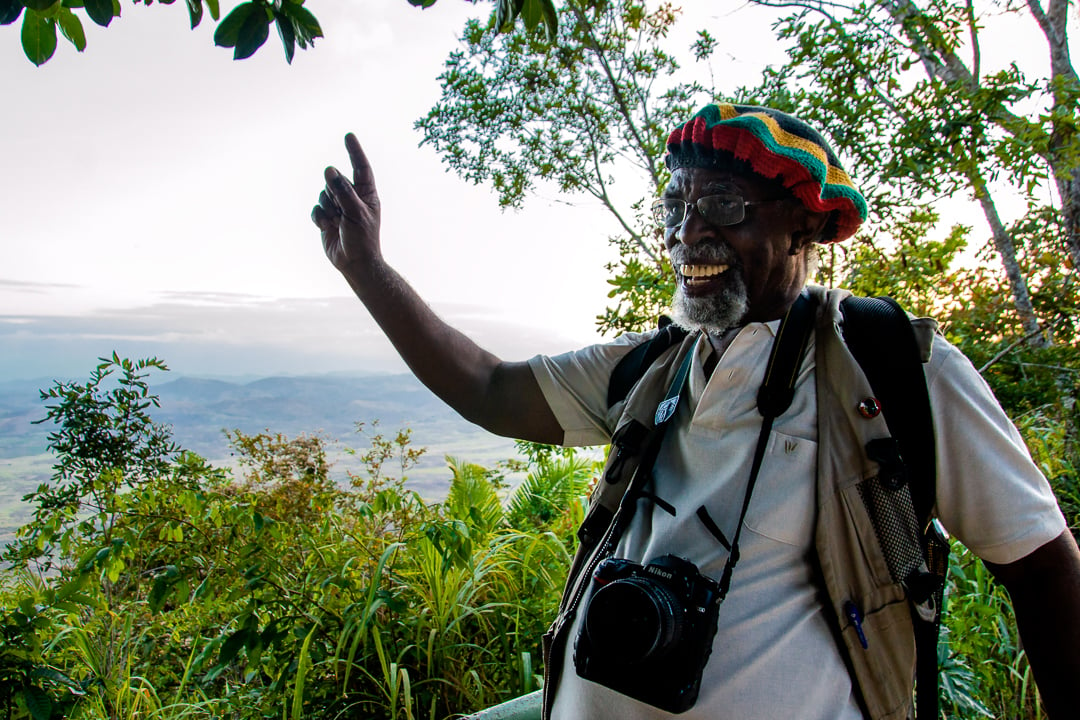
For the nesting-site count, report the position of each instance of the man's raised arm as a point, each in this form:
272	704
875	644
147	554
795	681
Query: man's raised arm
502	397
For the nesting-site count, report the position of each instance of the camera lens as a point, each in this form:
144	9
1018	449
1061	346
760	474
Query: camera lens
632	620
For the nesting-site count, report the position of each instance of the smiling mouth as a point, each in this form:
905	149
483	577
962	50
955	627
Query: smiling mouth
697	275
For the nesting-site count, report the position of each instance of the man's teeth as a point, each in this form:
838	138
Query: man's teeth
701	271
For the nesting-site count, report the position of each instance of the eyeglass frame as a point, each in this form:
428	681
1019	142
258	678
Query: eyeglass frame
658	206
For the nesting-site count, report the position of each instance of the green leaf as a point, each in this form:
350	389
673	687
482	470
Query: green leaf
39	5
304	23
38	37
10	10
253	34
54	675
551	19
38	703
287	35
71	26
158	592
504	15
202	590
232	646
194	12
215	10
228	31
100	11
532	13
73	586
303	666
86	560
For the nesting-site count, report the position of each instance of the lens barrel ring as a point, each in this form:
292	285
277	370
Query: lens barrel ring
634	620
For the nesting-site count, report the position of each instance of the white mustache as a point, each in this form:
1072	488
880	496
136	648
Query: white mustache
681	257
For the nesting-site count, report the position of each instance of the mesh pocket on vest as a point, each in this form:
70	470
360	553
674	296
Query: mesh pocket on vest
893	516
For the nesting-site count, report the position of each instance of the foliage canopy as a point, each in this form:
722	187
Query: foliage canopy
244	29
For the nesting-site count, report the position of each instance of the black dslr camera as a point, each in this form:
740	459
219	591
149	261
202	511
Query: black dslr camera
648	630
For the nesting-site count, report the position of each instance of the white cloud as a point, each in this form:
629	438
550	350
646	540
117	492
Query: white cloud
240	335
154	173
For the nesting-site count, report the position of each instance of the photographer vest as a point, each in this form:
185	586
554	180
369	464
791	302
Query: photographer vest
881	574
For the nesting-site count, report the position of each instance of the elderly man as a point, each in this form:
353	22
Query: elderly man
809	625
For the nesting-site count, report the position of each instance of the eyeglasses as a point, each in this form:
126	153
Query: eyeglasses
716	209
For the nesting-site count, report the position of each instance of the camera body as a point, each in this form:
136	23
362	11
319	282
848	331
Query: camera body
648	630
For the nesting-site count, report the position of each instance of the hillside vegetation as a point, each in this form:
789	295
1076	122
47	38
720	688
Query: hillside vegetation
152	584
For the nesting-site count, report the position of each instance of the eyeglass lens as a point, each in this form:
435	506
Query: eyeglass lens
716	209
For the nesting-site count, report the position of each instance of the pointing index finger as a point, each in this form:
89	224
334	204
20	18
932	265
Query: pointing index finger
363	177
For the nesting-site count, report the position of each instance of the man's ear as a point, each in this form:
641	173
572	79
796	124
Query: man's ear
807	226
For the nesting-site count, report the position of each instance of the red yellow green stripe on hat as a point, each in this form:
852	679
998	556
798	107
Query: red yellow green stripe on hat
777	146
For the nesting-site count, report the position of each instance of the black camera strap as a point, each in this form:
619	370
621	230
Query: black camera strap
774	398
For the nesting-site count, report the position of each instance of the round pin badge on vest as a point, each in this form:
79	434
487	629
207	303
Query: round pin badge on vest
870	408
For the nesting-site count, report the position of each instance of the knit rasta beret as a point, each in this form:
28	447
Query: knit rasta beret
776	146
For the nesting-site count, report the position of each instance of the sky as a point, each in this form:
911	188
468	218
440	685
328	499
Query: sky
155	197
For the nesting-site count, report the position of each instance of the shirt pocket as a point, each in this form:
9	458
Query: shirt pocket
782	504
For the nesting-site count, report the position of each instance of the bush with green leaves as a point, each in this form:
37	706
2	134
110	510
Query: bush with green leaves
153	584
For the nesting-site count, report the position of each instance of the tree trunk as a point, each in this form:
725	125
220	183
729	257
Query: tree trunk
1054	25
1070	210
1069	190
947	66
942	63
1003	243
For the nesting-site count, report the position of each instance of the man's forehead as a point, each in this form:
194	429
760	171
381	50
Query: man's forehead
712	181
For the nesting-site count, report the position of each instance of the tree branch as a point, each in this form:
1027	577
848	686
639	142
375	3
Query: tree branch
976	53
817	7
620	101
1039	14
1013	345
603	197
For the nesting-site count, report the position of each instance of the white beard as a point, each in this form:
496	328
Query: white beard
715	313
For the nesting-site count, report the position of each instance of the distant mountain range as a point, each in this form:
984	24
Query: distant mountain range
199	410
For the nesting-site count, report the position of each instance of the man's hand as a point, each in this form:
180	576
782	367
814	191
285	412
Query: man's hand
348	215
503	397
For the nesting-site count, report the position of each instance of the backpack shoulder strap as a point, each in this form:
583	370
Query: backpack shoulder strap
636	362
880	336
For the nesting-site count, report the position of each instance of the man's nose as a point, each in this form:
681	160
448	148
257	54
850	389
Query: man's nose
694	228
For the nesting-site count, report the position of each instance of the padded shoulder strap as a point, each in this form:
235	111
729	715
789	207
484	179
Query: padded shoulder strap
880	336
